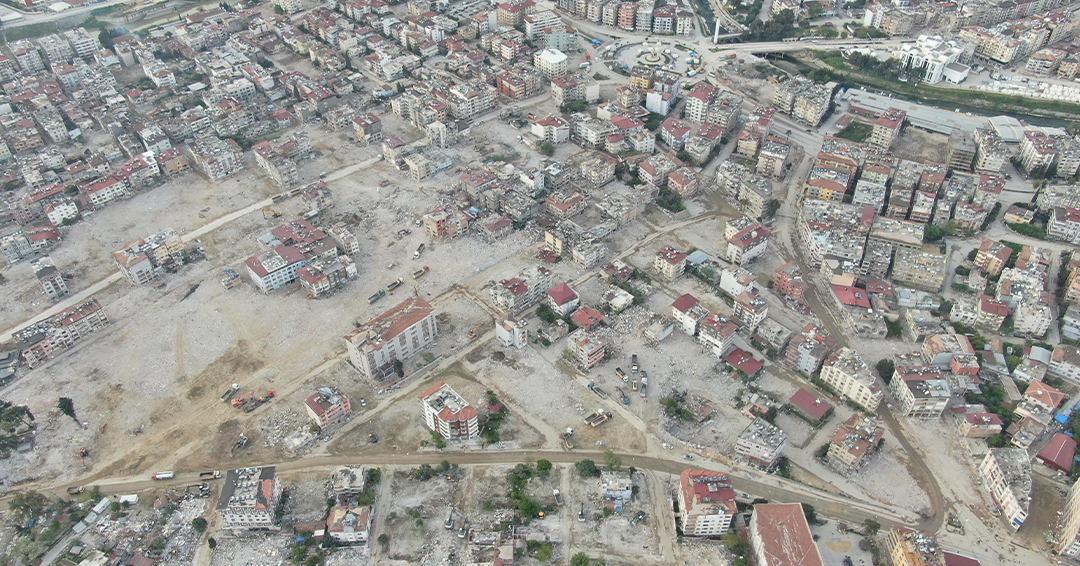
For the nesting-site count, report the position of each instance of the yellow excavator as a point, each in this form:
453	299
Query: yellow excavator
472	333
270	213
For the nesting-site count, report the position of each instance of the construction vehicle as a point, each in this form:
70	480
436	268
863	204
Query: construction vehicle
625	397
241	443
541	515
639	517
622	375
472	333
581	514
420	272
603	419
376	296
258	402
240	400
371	437
228	394
83	453
269	213
599	392
419	250
395	285
210	475
568	439
644	384
558	498
634	385
595	416
74	490
464	528
633	363
163	476
449	524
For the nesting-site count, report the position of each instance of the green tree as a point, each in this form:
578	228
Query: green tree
212	542
199	524
932	233
543	468
547	148
586	468
885	368
399	368
611	460
28	504
871	527
67	406
544	553
579	559
528	508
384	540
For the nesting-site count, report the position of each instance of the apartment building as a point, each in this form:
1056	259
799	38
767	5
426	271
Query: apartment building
992	257
445	222
848	375
669	262
922	269
448	414
922	391
853	442
50	337
521	292
216	158
717	333
394	335
887	128
249	499
1068	539
748	244
327	406
780	536
348	524
588	348
789	282
551	63
908	547
762	443
1006	474
52	281
708	503
510	332
939	349
688	313
808	350
750	309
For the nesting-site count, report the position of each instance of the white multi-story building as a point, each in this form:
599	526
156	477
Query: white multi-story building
448	414
394	335
847	373
708	503
762	443
923	391
1006	473
249	499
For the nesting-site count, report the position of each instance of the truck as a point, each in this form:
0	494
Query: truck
395	284
621	375
419	250
376	296
603	419
595	416
163	476
568	439
644	384
633	363
558	498
214	475
232	391
420	272
74	490
599	392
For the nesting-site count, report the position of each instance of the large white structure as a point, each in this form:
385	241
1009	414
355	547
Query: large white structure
551	63
394	335
938	57
448	414
249	498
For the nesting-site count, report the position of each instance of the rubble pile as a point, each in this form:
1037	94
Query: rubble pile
279	425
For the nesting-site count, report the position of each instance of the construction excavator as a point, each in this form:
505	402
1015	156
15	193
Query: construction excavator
240	400
270	213
472	333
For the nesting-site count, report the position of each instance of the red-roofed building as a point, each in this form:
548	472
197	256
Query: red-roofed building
744	362
952	558
1046	397
809	405
974	424
669	262
327	406
788	281
1058	454
748	244
780	536
394	335
586	317
562	299
851	296
707	503
675	133
688	312
448	414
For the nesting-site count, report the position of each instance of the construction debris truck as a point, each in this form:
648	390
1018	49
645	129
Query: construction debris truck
228	394
599	392
210	475
420	272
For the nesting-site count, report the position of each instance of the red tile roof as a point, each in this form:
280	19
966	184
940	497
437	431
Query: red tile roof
810	404
785	536
744	361
561	294
851	296
685	302
1059	453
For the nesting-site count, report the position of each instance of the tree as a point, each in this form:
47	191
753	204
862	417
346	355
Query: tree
279	10
105	37
932	233
28	504
586	468
212	542
579	559
399	369
547	148
885	368
528	508
871	527
810	513
199	524
67	406
611	460
543	468
544	554
384	540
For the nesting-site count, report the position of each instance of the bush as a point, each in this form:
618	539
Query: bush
580	559
547	148
586	468
543	468
1028	230
544	554
199	524
439	441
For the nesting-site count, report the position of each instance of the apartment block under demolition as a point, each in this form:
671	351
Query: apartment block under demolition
327	406
48	338
249	498
588	348
853	442
762	443
394	335
141	260
448	414
848	375
519	293
1006	474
